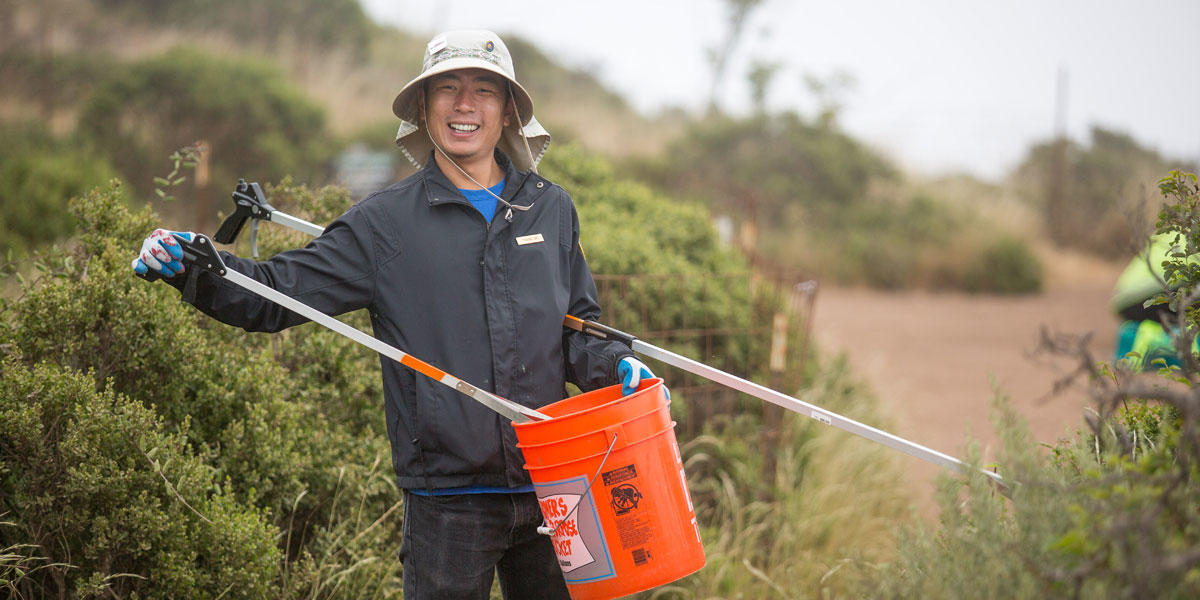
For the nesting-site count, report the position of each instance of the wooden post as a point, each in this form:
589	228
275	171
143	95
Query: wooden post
772	414
205	213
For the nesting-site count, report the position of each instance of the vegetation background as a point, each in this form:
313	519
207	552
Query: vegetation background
146	451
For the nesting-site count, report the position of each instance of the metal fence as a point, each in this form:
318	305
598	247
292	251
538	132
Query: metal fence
752	325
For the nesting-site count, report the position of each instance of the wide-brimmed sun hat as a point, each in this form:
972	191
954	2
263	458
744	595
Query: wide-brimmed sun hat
525	141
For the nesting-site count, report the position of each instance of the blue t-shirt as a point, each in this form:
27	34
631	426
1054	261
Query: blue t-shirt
484	202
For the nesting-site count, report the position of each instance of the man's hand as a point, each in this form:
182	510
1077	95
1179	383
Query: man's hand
632	372
161	253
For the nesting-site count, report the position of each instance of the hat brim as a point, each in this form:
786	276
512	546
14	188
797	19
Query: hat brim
405	104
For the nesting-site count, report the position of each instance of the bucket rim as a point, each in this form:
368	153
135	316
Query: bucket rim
523	445
532	468
561	419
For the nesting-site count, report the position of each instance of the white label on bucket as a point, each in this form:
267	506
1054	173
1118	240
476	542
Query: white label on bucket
568	543
580	544
822	417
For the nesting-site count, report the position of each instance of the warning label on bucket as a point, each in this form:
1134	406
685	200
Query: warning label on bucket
616	476
624	498
578	540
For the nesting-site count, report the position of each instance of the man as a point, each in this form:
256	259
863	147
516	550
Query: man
469	264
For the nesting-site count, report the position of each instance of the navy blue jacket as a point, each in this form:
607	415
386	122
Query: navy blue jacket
481	301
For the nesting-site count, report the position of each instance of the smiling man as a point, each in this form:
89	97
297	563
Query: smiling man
469	264
466	111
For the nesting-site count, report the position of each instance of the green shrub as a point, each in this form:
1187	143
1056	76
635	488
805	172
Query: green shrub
1094	522
38	173
253	120
294	444
1087	190
1006	265
780	172
776	160
921	242
115	504
54	82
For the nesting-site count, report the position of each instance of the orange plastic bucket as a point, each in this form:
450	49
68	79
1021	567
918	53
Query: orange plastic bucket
634	528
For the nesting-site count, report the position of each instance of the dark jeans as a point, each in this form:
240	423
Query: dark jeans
452	546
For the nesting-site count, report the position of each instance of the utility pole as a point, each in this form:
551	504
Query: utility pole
1060	216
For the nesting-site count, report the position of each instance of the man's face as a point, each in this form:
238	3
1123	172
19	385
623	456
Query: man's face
466	111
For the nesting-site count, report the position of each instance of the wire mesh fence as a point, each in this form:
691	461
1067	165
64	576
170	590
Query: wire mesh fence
706	319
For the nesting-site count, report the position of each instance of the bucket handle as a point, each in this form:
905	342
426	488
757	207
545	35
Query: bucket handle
543	529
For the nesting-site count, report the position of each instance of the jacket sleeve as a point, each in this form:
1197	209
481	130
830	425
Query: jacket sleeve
334	273
591	363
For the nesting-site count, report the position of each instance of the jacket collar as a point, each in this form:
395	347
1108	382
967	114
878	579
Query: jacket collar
440	190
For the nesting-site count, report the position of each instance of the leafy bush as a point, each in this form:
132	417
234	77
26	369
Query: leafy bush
53	82
774	161
917	243
1086	192
38	173
95	488
827	206
885	244
282	442
1006	265
252	118
1097	521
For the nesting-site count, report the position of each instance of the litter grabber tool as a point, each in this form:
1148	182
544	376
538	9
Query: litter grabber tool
199	254
726	379
774	397
251	204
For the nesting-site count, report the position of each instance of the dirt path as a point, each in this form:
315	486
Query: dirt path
931	358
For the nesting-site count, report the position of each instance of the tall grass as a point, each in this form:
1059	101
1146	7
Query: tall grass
830	514
351	555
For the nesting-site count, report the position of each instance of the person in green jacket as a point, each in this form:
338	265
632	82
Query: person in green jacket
1141	338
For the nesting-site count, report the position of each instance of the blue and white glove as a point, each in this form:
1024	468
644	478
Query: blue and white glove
632	372
161	253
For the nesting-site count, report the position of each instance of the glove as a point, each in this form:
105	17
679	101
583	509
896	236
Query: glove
161	253
632	372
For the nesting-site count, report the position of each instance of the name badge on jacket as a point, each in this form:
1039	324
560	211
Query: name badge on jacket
530	239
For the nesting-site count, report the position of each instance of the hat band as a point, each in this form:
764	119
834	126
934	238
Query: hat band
449	53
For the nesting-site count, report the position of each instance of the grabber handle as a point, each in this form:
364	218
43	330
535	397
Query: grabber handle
198	255
249	203
598	330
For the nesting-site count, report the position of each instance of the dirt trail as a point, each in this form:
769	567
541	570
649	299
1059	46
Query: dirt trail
931	358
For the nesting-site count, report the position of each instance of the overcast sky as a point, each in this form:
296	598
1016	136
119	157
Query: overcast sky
940	85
